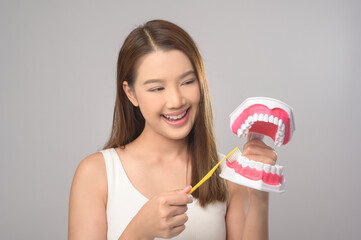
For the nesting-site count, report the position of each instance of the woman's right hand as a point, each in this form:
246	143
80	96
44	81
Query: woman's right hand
162	216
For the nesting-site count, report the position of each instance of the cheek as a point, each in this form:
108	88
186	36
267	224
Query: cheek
148	103
195	95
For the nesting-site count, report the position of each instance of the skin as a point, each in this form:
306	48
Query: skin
157	161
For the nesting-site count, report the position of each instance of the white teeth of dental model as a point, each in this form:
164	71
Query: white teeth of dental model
245	163
265	118
239	132
255	117
275	121
248	125
278	171
280	135
259	166
274	169
252	164
279	138
267	168
240	160
270	119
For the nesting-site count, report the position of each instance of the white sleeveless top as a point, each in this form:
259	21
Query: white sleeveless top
124	202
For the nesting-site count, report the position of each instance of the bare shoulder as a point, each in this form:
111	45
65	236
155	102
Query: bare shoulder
88	197
91	173
92	164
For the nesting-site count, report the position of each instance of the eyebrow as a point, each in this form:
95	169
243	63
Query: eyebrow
160	80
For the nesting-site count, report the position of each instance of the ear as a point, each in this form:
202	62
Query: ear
130	94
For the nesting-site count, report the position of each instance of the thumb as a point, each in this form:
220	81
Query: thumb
249	136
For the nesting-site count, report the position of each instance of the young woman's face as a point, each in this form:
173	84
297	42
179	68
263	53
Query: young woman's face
167	92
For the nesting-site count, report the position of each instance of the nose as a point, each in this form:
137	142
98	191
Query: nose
175	99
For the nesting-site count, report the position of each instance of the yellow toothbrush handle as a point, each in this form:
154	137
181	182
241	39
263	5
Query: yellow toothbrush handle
209	174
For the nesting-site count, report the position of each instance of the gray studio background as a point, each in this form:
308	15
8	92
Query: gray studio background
57	71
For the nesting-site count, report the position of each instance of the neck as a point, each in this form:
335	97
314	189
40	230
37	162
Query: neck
155	145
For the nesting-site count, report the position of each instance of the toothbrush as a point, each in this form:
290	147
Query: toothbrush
210	173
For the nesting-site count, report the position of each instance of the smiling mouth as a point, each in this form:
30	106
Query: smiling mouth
174	118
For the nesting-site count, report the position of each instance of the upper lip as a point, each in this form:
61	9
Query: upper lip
176	113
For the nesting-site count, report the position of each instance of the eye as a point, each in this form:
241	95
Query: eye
156	89
189	82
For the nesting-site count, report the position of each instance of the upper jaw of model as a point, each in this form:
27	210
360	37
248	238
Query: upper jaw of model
266	116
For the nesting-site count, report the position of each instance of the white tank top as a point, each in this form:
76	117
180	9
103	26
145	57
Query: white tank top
124	202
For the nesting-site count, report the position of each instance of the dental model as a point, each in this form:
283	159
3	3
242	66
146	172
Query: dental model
262	117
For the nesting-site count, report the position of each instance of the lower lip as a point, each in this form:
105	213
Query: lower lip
179	122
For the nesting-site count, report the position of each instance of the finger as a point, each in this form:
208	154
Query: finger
177	191
257	142
177	230
178	220
257	150
185	190
258	138
249	137
178	199
177	210
262	159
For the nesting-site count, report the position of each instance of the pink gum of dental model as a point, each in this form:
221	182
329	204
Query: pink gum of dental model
254	174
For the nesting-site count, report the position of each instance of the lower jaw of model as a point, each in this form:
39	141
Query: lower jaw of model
264	116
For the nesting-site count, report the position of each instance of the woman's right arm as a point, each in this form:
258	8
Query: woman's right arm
162	216
87	203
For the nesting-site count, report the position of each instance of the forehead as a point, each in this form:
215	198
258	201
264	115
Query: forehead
162	65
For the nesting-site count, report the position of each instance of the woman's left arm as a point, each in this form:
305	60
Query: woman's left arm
247	212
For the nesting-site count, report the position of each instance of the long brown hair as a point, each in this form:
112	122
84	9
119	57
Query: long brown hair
128	122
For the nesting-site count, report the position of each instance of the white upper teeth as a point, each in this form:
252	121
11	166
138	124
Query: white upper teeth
270	119
275	121
176	117
255	117
279	138
265	118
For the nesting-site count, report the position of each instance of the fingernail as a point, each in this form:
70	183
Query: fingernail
190	198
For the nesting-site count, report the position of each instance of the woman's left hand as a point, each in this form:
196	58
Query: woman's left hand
257	150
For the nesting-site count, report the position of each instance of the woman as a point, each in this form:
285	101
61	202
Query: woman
161	144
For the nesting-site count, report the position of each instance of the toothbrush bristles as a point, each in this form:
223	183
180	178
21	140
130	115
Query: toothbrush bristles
234	156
